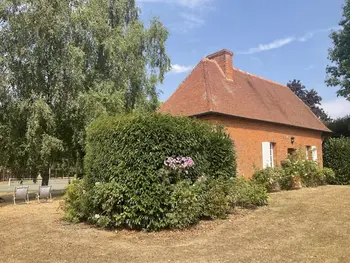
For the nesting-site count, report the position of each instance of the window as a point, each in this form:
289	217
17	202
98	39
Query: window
314	153
291	151
307	152
267	154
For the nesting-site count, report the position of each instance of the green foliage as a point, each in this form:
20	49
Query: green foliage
339	55
247	193
295	168
336	156
137	145
76	202
64	63
309	172
269	177
185	209
124	163
329	175
340	127
214	198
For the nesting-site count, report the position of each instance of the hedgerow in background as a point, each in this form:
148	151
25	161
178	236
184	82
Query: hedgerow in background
336	155
132	176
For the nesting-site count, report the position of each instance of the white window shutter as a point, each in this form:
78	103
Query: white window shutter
266	154
314	153
307	153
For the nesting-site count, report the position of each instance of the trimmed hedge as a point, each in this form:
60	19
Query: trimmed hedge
125	147
127	181
336	155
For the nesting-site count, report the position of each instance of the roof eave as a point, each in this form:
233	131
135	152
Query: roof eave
240	117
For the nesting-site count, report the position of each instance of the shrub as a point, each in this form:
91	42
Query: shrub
296	166
336	155
131	183
329	175
185	205
340	126
76	204
269	178
213	196
245	193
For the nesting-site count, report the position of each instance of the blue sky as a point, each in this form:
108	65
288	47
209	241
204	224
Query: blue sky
275	39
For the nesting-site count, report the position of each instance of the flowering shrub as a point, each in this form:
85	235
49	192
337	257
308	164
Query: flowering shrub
143	171
269	178
179	162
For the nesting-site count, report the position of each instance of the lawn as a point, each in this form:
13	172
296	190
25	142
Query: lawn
308	225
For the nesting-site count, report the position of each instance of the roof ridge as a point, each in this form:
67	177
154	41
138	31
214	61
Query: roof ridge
208	90
256	76
178	87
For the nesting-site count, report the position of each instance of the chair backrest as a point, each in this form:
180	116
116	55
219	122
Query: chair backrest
21	191
44	191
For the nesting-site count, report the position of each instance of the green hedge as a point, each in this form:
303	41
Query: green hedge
336	155
128	184
130	146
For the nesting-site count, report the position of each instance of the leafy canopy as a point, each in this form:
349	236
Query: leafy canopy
338	73
62	64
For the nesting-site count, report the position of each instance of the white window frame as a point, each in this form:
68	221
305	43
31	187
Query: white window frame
307	149
272	145
314	153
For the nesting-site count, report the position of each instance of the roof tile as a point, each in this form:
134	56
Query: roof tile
207	90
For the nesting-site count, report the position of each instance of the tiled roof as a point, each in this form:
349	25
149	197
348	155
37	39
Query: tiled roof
208	90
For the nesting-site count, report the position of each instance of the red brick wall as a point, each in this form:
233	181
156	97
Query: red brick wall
248	136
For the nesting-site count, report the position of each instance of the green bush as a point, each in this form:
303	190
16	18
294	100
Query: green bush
76	204
336	155
329	175
247	193
308	171
185	205
269	178
214	198
127	181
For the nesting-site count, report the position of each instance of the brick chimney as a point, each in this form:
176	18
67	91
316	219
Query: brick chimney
224	58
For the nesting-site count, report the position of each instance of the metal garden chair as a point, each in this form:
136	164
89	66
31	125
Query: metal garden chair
44	193
21	192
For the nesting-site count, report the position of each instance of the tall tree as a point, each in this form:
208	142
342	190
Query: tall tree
309	97
63	63
338	74
340	126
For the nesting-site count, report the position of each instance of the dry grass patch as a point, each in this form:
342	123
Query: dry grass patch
310	225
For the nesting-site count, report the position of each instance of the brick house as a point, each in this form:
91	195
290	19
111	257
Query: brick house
265	119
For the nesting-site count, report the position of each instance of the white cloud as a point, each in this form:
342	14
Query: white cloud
176	68
188	22
336	108
191	15
272	45
278	43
